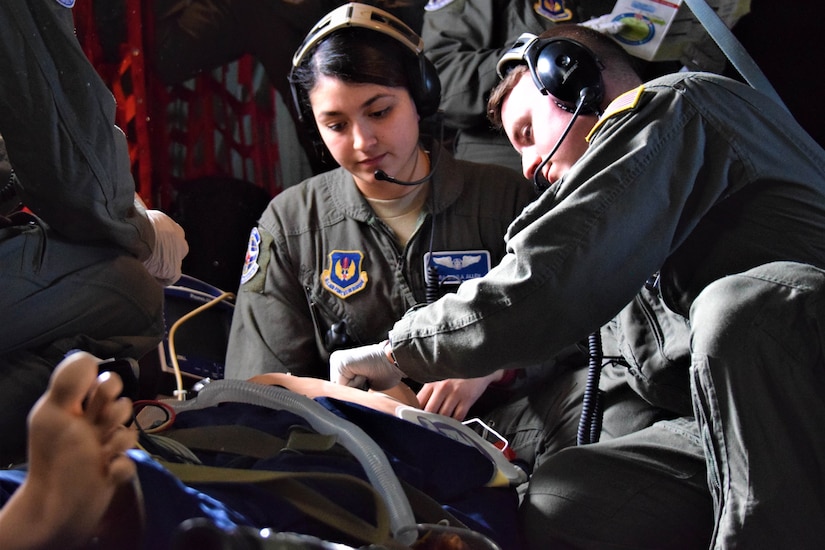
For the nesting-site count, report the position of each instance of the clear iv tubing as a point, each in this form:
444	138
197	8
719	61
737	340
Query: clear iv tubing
368	453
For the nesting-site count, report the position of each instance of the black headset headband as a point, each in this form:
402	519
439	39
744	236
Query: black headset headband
561	67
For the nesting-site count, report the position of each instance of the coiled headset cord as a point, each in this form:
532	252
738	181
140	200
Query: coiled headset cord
432	284
590	422
8	192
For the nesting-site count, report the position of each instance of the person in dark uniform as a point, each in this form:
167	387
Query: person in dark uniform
82	265
685	215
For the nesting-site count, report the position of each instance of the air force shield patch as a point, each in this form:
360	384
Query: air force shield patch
66	3
553	10
344	276
253	252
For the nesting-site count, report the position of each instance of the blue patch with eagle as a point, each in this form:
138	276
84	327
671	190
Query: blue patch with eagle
344	276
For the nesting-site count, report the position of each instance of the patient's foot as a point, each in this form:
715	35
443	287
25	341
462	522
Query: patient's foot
77	441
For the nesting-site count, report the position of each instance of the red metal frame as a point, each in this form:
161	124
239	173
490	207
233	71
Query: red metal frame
216	124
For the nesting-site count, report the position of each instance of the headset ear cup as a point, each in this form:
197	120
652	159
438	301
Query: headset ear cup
565	68
426	87
297	103
302	108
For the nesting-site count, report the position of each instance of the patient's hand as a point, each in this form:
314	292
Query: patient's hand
317	387
454	397
404	394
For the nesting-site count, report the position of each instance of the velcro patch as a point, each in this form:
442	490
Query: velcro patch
253	252
624	102
456	266
344	276
552	10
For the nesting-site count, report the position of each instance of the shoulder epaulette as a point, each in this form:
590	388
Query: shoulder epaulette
624	102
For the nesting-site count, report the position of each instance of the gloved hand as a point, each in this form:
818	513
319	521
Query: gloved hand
170	248
356	366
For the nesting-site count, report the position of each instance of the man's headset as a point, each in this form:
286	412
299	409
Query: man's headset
425	86
561	67
564	69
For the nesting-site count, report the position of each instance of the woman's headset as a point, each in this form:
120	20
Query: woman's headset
425	86
561	67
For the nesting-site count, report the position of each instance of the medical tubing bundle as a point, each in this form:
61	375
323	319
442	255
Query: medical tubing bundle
368	453
180	392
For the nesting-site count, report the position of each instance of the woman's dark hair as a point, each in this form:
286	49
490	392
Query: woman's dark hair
355	55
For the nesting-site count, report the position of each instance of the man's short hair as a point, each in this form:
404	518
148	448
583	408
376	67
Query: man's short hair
610	53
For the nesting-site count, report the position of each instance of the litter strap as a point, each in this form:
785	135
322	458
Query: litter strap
291	487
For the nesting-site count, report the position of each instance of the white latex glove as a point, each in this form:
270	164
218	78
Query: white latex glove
356	366
170	248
